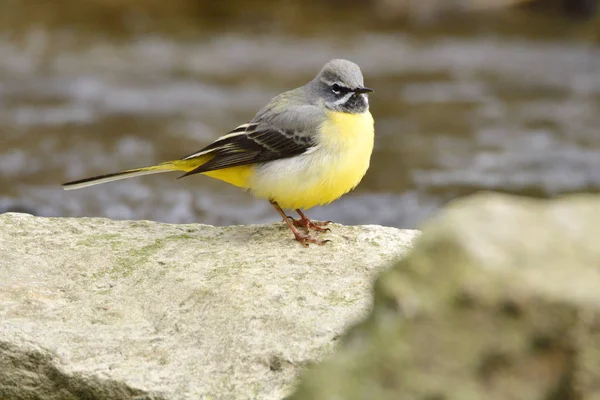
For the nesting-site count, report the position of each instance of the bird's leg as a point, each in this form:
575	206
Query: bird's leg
304	239
308	224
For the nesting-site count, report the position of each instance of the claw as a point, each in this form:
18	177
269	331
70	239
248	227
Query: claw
307	224
305	239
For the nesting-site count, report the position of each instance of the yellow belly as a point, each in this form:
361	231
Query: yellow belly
334	168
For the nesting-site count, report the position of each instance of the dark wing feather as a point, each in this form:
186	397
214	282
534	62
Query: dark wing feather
257	143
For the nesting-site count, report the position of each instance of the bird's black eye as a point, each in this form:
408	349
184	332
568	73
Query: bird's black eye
335	88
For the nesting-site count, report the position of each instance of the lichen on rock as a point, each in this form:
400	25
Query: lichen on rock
95	308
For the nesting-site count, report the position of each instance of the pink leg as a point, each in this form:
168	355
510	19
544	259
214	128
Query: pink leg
308	224
304	239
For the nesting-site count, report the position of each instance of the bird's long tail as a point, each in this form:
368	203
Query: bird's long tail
176	165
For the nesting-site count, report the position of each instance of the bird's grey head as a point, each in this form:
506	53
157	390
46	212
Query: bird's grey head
340	87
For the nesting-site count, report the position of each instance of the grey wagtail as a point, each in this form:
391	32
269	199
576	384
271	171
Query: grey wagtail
307	147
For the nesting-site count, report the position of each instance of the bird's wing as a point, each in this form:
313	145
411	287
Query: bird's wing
254	142
286	127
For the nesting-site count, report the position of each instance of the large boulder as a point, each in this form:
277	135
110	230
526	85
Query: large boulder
499	299
101	309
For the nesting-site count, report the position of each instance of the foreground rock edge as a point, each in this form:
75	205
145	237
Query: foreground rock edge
514	279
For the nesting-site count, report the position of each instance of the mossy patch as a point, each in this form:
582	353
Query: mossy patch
94	240
133	257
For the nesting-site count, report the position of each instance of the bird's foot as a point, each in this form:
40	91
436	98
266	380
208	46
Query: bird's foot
308	224
305	239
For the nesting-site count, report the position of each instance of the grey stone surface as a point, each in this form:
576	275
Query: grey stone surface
499	299
102	309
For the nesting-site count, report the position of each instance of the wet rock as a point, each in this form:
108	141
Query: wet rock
499	299
102	309
15	208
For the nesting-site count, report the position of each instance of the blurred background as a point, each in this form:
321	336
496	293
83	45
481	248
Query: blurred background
470	95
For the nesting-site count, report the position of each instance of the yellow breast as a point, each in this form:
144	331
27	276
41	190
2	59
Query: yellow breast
337	164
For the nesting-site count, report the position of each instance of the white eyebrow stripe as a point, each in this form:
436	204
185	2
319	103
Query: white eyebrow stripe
331	83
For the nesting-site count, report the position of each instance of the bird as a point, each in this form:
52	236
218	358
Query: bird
307	147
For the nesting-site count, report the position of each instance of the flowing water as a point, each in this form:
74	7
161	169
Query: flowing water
457	111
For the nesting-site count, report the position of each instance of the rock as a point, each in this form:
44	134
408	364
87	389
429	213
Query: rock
499	299
101	309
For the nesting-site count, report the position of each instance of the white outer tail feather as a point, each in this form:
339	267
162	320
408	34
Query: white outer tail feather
104	179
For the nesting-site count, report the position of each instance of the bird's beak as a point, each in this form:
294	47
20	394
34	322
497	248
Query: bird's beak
363	90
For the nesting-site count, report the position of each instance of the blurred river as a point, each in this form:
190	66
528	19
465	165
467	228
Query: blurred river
455	113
